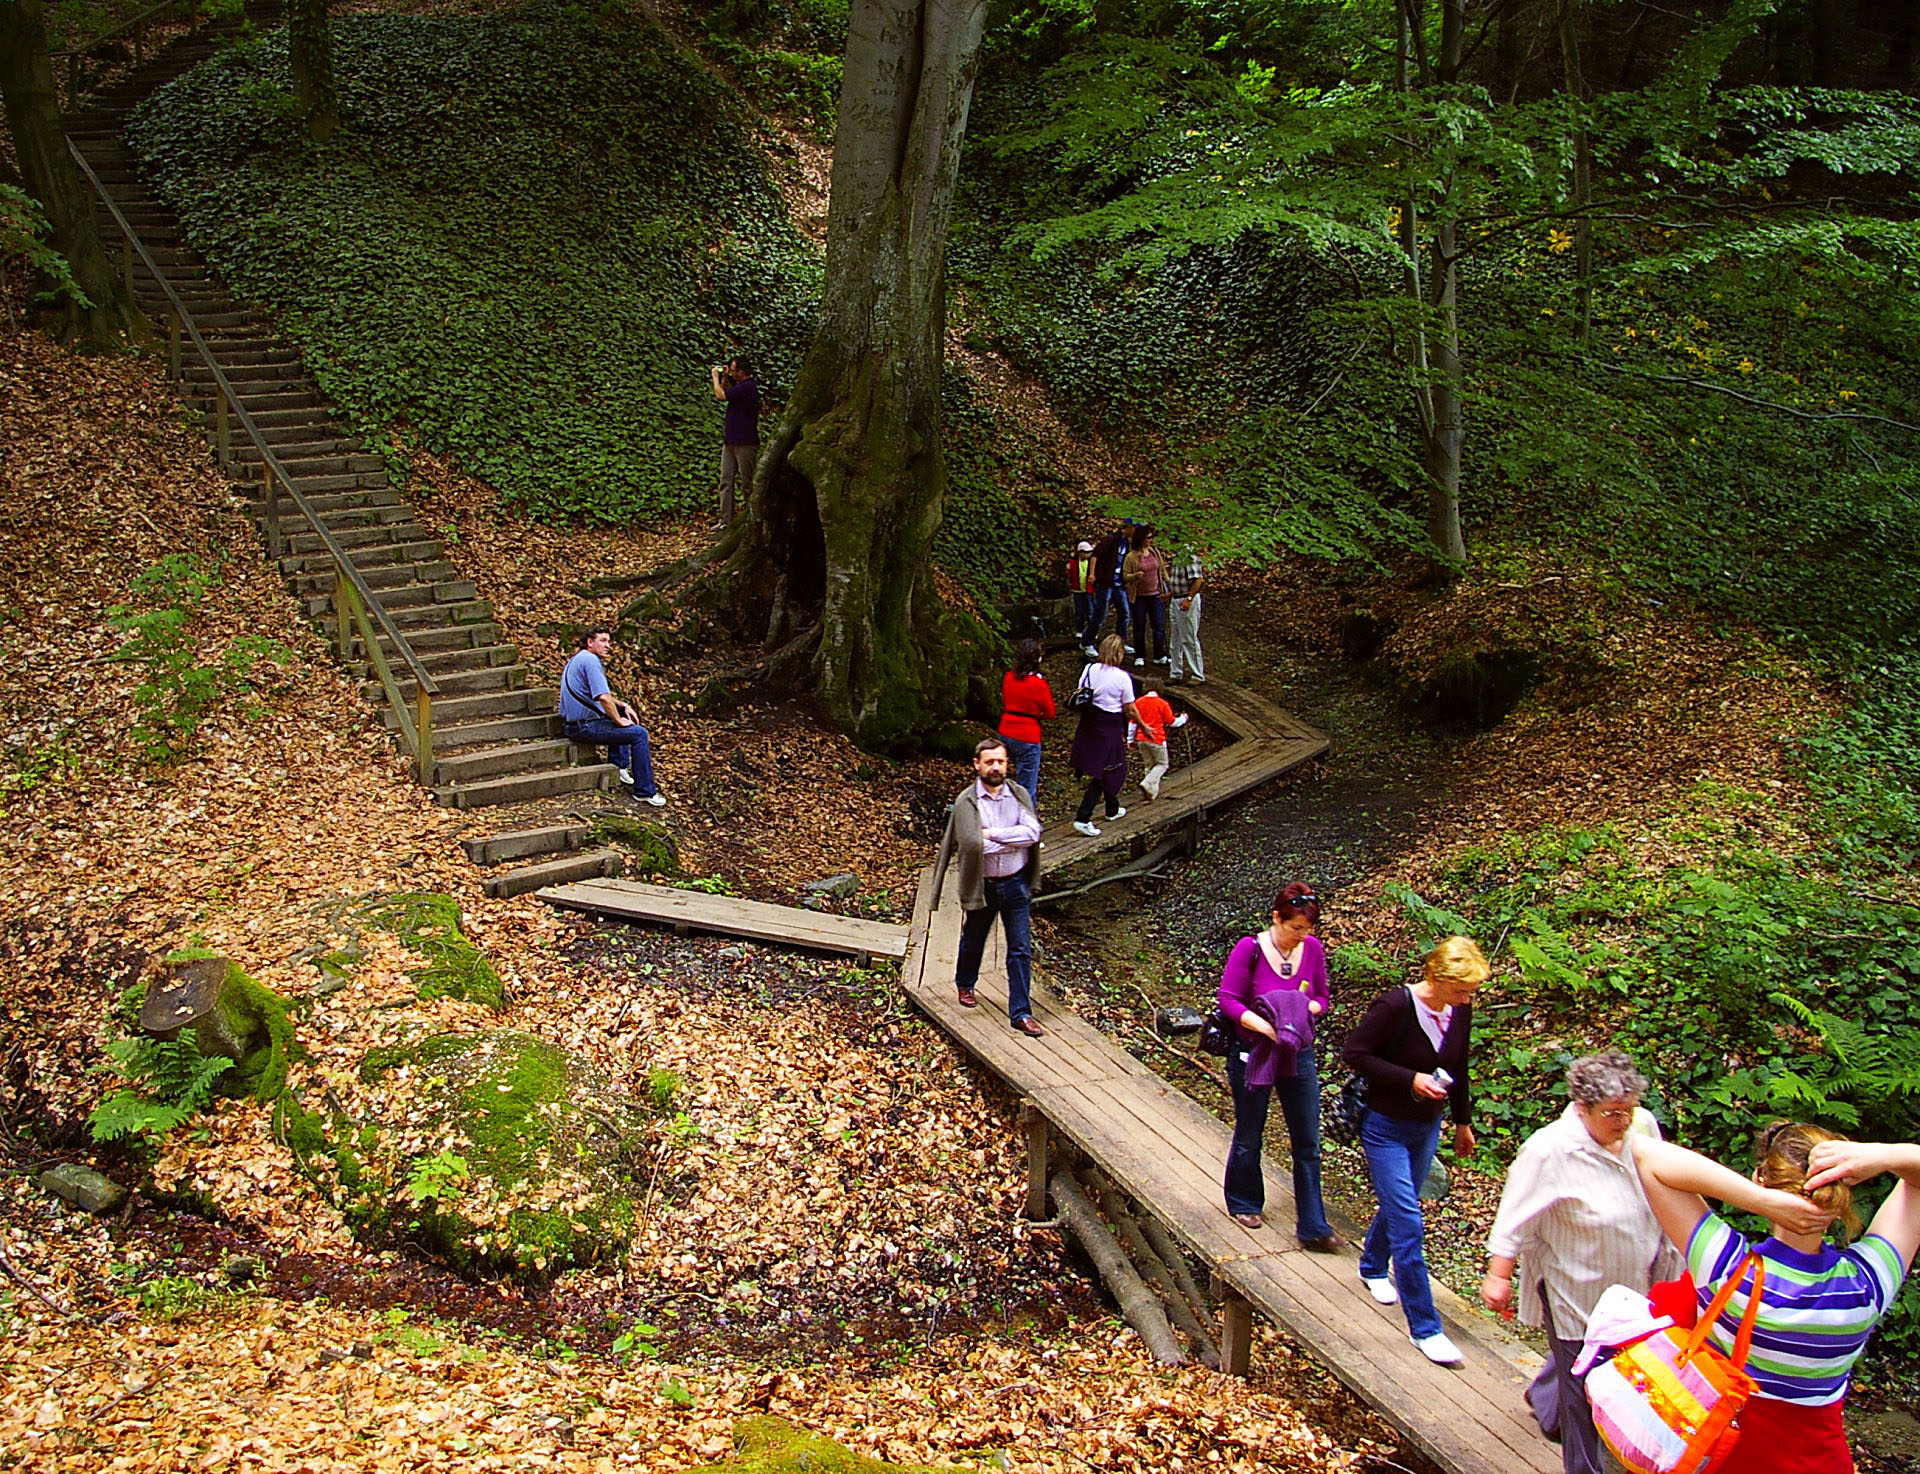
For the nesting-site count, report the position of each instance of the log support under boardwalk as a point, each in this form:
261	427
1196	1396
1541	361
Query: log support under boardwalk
1036	1124
1236	1329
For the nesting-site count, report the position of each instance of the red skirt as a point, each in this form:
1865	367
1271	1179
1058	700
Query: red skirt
1789	1438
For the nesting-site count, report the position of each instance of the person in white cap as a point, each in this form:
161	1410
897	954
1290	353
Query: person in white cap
1080	572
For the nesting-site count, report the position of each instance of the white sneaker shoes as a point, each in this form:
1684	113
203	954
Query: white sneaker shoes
1439	1350
1381	1289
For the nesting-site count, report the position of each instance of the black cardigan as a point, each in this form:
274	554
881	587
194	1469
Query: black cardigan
1389	1048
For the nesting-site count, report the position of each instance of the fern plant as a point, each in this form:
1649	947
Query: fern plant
1857	1078
167	1081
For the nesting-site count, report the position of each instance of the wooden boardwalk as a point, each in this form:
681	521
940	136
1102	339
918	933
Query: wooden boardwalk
1169	1154
632	900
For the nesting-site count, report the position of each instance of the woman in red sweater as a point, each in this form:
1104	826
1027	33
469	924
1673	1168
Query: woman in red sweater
1026	699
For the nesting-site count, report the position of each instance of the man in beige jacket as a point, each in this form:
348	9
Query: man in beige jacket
994	832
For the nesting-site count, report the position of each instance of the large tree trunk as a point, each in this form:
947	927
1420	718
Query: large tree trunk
310	53
47	171
848	495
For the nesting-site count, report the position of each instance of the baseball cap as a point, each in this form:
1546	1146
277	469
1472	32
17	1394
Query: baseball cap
1085	547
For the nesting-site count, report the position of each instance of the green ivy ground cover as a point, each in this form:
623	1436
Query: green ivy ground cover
532	236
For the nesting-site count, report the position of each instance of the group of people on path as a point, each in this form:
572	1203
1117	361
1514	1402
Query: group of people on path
1152	594
1592	1200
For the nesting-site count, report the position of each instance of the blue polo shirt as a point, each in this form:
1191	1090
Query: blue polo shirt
581	684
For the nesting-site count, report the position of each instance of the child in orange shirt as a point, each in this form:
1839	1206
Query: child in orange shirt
1156	716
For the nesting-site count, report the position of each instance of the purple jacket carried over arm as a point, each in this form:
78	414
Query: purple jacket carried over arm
1246	976
1279	1058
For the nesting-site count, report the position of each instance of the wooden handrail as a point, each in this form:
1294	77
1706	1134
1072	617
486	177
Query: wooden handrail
135	23
360	599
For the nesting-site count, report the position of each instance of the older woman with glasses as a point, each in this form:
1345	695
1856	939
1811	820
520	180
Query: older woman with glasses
1575	1219
1412	1047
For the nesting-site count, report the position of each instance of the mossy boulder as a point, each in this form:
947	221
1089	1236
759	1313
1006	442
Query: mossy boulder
428	923
653	846
775	1446
496	1153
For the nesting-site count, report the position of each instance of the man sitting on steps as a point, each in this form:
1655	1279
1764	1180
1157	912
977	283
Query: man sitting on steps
591	713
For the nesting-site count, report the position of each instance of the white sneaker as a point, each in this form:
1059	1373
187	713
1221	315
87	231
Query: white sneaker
625	776
1120	813
1138	661
658	800
1381	1290
1080	826
1438	1349
1091	652
1130	650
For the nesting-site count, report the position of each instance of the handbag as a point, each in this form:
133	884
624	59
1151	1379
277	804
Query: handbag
1666	1404
1082	697
1348	1113
1217	1037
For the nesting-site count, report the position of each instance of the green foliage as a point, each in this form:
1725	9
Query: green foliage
663	1089
1865	769
429	923
530	238
23	238
710	885
167	1081
171	1297
637	1343
179	691
437	1178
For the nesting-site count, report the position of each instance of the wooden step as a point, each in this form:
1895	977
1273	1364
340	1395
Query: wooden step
443	665
587	865
442	616
367	555
453	683
522	787
406	596
512	757
524	844
374	535
380	579
327	503
454	710
542	728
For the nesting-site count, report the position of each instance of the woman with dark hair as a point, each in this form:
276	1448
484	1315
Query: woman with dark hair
1100	741
1280	972
1025	700
1819	1303
1412	1047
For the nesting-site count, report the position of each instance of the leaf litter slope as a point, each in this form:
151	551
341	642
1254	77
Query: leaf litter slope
836	1149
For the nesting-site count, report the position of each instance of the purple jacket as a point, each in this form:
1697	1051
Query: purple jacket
1279	1058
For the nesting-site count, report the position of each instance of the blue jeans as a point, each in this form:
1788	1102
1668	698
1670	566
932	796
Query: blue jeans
1024	759
1082	611
1113	598
1300	1104
1150	609
1011	900
1398	1155
626	748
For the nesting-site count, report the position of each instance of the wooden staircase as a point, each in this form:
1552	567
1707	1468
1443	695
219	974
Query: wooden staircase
495	736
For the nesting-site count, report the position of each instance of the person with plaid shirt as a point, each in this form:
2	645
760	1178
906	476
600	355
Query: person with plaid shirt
1181	581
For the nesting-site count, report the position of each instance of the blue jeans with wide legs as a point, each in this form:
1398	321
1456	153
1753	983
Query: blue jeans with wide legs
1010	899
1115	599
1398	1155
1150	616
1024	759
1300	1103
626	748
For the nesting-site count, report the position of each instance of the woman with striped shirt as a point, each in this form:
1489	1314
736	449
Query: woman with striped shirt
1820	1302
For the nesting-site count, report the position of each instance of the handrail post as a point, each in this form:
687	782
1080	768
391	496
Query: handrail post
342	620
173	344
73	77
126	263
224	443
140	43
270	485
423	735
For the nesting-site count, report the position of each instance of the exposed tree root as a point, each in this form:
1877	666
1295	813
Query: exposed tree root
1137	1303
1152	1266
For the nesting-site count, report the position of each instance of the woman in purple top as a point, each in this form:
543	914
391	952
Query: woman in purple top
1286	957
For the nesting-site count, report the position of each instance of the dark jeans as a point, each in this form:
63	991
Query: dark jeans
626	748
1398	1155
1082	613
1103	600
1010	899
1300	1104
1150	609
1559	1402
1024	759
1096	791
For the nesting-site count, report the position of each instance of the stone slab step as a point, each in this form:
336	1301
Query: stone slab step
327	503
584	866
392	576
524	844
524	786
376	534
495	762
532	728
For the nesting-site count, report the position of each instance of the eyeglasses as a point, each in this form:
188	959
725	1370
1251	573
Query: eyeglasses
1617	1113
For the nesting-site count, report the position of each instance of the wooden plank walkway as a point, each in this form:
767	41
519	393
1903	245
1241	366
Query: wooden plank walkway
1169	1153
632	900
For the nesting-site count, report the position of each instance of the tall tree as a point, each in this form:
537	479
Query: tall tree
831	565
310	54
97	309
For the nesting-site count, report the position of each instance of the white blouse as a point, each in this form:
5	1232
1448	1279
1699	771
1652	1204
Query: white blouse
1111	686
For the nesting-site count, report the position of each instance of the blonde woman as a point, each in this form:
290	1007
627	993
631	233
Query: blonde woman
1411	1047
1099	750
1820	1302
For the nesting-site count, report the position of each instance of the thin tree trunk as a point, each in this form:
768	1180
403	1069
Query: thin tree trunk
310	53
849	493
1137	1302
109	315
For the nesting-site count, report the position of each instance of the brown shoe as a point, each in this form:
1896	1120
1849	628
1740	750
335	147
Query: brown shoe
1246	1220
967	1000
1326	1244
1028	1027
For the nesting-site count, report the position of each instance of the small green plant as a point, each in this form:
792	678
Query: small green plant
674	1391
23	237
179	691
177	1296
663	1089
167	1081
636	1343
707	885
437	1178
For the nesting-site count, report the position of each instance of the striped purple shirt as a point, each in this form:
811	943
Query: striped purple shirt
1816	1311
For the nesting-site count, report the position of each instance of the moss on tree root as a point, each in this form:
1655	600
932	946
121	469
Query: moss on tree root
775	1446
